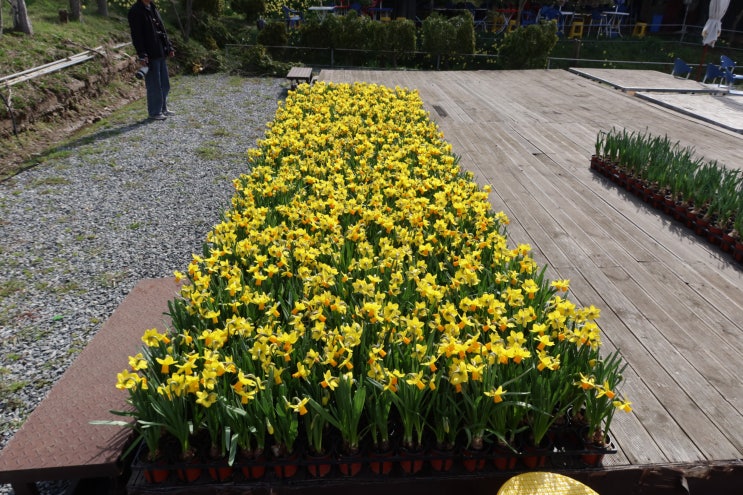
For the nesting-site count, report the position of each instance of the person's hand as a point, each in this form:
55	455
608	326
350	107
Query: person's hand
171	53
145	61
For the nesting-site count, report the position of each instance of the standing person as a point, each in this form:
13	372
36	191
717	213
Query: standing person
153	46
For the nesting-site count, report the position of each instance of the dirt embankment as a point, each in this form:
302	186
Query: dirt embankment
48	109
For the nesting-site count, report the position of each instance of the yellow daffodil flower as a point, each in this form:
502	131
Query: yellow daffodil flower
496	394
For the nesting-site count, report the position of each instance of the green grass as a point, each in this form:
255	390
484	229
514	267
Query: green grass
70	287
10	287
51	181
210	151
221	132
52	40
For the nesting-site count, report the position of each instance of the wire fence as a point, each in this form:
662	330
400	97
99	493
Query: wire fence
349	58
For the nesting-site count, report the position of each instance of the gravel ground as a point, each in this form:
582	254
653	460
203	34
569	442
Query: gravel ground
132	200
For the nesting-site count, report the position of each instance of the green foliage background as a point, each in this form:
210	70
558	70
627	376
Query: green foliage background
528	47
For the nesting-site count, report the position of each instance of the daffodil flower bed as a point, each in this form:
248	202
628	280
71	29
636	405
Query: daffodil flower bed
360	293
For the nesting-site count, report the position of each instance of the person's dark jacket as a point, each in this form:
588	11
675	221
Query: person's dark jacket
148	32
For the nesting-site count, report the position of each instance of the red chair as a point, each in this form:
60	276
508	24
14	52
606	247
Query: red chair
341	7
377	12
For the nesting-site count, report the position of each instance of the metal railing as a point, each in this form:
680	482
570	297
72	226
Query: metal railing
575	62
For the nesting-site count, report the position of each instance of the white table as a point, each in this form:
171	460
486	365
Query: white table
321	11
565	19
614	21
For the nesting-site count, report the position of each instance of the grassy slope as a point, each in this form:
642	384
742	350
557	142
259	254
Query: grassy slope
53	40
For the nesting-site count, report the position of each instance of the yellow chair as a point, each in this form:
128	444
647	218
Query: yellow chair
512	25
639	30
544	483
576	30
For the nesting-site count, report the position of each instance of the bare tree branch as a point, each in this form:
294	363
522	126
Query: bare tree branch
7	102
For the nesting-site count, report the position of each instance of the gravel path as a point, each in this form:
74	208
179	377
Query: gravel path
132	200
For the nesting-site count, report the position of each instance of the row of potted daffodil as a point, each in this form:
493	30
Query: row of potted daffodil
359	294
704	194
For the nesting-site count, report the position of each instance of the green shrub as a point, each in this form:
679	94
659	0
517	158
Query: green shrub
316	34
318	37
274	7
464	41
352	31
255	61
212	32
211	7
397	38
273	35
437	33
193	58
251	9
443	37
528	47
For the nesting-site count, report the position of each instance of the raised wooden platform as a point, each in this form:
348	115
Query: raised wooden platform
57	441
725	110
298	75
631	80
671	303
710	103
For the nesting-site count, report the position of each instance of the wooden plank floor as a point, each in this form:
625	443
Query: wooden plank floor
670	303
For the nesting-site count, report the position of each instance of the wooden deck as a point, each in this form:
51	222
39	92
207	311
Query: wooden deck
672	304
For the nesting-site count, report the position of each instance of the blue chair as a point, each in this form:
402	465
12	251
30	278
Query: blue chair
728	68
731	78
479	16
713	73
292	17
528	17
656	23
599	22
681	69
726	63
547	14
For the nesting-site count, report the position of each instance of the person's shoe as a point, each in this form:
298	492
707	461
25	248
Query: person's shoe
159	116
168	113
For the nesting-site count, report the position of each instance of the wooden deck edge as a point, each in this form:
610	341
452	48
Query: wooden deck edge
647	89
58	441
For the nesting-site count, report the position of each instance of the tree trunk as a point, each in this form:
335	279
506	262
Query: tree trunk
522	4
103	8
185	34
21	22
189	15
76	10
